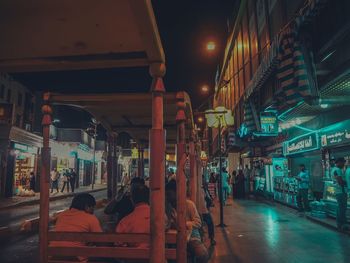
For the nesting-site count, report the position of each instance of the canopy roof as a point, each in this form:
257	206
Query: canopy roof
130	112
41	35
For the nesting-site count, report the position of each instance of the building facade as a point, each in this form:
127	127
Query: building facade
285	75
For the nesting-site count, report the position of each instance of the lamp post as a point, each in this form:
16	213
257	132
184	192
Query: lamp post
218	118
93	131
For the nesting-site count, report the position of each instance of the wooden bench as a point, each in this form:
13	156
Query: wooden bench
104	251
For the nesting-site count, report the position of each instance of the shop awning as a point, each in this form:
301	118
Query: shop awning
130	112
249	121
293	76
42	35
282	51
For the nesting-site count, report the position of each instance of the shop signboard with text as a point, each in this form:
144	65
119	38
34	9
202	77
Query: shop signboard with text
300	144
269	122
336	134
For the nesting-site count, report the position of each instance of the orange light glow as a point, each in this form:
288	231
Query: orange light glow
205	89
200	119
211	46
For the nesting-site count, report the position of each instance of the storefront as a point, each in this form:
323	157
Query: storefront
303	149
335	143
85	157
25	162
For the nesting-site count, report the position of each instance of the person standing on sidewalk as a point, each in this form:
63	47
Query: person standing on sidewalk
66	179
341	192
303	189
54	175
204	209
73	178
32	181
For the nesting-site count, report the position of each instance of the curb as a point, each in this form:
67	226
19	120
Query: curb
309	217
52	198
30	225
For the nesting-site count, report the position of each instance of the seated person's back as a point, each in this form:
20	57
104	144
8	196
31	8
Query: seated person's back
137	221
79	218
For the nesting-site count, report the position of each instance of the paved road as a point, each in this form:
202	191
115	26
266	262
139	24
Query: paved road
258	232
24	248
14	216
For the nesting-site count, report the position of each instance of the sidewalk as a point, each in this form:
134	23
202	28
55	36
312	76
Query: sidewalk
326	222
259	232
17	201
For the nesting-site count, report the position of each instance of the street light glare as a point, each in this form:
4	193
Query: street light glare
211	46
200	119
205	89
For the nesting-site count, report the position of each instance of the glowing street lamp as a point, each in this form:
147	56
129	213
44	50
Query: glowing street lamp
218	118
205	89
200	119
211	46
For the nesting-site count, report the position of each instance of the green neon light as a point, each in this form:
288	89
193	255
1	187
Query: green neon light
264	134
317	146
289	110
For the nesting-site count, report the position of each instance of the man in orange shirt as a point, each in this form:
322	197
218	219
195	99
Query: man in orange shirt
79	218
139	220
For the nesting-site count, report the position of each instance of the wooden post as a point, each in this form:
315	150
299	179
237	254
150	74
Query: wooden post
142	151
139	162
114	166
110	167
193	172
181	241
157	166
45	181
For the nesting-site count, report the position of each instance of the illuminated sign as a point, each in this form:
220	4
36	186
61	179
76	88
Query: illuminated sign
336	134
25	148
268	122
304	143
134	153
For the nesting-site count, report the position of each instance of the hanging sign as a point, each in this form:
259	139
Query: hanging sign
304	143
336	134
269	122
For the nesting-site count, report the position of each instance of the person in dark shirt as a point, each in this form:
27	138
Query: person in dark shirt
122	204
72	180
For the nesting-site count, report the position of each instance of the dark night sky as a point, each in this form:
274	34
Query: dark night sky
185	27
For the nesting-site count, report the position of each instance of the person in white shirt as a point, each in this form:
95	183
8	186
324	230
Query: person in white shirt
54	179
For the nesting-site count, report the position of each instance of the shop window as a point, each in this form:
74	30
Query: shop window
2	91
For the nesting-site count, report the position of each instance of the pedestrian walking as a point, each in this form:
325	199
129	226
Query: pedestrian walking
32	181
54	175
66	181
225	185
303	189
247	174
234	184
73	178
204	209
341	192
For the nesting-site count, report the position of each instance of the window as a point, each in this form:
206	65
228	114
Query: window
2	91
8	95
19	99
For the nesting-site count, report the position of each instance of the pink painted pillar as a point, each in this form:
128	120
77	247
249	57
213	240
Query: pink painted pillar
157	167
181	241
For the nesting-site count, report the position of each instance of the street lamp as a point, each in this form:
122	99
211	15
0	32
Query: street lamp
93	132
218	118
205	89
211	46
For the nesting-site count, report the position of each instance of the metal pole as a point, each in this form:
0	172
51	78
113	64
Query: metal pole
45	182
220	182
94	158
